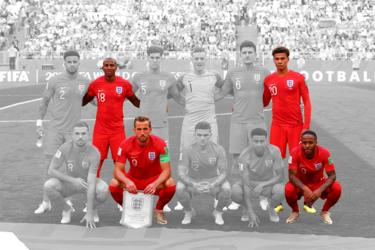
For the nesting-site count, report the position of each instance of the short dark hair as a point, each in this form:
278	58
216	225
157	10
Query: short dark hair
279	50
247	43
70	53
142	119
258	131
202	125
155	49
309	132
81	124
197	50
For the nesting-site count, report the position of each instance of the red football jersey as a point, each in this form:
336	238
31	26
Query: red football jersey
144	161
311	171
286	92
110	100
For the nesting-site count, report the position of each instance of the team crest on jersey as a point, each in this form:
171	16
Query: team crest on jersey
318	165
290	83
85	164
137	203
119	90
195	165
212	160
162	84
257	77
134	162
151	156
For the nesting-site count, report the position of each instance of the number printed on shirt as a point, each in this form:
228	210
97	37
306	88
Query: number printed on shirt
101	97
62	93
238	83
273	90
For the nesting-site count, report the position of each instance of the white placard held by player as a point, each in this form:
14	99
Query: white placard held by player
137	210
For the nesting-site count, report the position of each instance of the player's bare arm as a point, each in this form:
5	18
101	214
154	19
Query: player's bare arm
134	100
222	166
121	178
318	192
298	183
266	96
86	99
176	95
254	220
53	171
164	176
307	106
226	88
47	95
183	170
89	217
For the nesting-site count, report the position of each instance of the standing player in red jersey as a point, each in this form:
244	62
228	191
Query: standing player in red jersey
286	88
307	164
111	92
149	170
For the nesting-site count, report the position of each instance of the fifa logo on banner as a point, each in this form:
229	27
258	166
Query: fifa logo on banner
119	90
137	203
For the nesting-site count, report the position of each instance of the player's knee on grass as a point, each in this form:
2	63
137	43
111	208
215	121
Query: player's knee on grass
277	192
52	185
237	193
182	192
102	191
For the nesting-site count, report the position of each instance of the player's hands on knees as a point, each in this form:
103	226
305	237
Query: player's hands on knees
81	182
131	187
253	220
150	189
258	189
89	220
307	193
315	195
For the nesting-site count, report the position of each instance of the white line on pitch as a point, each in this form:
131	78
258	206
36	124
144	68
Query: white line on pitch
19	103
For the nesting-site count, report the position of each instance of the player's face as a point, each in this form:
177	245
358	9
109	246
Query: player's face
71	64
109	67
80	136
281	61
203	136
248	55
142	131
199	61
308	145
154	61
259	144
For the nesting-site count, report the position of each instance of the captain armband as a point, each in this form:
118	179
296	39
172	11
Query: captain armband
164	158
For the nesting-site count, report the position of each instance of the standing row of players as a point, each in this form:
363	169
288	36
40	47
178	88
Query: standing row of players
253	88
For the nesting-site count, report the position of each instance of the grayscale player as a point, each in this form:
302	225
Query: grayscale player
65	91
198	88
203	169
73	170
246	84
261	166
154	87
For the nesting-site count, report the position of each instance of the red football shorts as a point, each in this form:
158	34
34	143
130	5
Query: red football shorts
117	192
103	141
280	136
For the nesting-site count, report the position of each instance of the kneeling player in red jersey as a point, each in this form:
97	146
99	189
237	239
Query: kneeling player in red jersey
307	165
149	171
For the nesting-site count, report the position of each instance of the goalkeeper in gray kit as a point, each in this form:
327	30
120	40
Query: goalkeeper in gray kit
203	169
